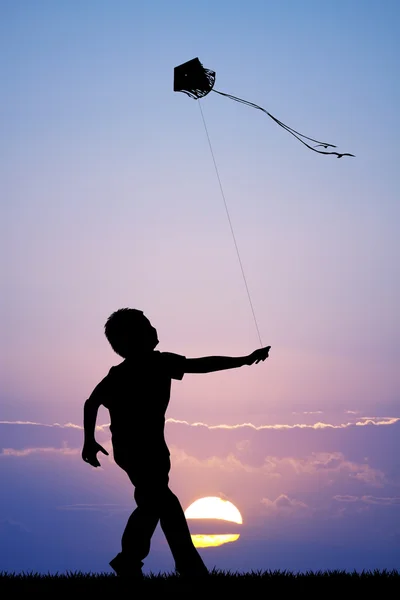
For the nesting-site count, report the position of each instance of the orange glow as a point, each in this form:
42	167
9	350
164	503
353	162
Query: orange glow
207	541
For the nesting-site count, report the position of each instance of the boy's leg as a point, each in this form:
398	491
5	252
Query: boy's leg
136	538
141	525
174	525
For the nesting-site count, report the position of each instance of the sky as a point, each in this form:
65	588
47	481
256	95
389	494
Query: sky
110	199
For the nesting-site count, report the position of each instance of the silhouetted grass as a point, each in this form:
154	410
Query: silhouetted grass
255	582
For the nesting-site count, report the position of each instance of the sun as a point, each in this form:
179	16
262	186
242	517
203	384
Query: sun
213	507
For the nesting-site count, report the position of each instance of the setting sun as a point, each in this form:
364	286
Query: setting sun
213	507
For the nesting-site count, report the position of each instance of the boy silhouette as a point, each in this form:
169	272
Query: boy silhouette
136	392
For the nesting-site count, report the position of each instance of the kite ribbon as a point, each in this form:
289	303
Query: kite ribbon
299	136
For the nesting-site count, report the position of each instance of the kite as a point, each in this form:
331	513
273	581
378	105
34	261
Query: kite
193	79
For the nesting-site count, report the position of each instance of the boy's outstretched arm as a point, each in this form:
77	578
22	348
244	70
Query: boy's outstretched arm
208	364
90	446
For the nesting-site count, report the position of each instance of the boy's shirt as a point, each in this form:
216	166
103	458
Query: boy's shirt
137	392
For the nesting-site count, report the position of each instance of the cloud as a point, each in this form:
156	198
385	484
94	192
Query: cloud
337	462
245	462
26	423
361	422
364	447
285	506
359	452
28	451
368	443
382	501
325	465
28	435
288	483
319	425
59	425
309	412
377	421
393	501
103	508
340	498
229	463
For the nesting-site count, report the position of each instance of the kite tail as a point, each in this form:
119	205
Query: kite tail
299	136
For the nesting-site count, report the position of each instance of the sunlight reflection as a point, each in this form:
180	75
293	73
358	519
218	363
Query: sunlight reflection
207	541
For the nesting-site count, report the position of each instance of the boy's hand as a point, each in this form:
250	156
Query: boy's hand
89	453
257	355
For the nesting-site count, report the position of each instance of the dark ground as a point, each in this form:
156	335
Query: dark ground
261	583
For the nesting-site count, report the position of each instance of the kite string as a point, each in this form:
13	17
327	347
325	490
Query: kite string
230	225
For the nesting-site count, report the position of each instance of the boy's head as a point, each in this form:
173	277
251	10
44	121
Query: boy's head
130	332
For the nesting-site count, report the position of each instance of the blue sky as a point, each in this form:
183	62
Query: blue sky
109	199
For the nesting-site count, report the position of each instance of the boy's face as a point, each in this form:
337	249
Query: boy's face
150	335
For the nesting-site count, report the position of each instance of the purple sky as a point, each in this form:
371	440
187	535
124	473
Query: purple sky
110	199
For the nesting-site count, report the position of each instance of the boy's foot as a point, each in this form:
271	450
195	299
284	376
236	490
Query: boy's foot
126	568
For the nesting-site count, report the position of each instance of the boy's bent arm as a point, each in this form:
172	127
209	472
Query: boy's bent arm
209	364
90	410
90	446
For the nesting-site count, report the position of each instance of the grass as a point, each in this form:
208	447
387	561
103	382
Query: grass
261	583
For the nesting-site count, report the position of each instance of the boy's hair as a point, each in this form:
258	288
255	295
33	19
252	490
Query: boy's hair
122	327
